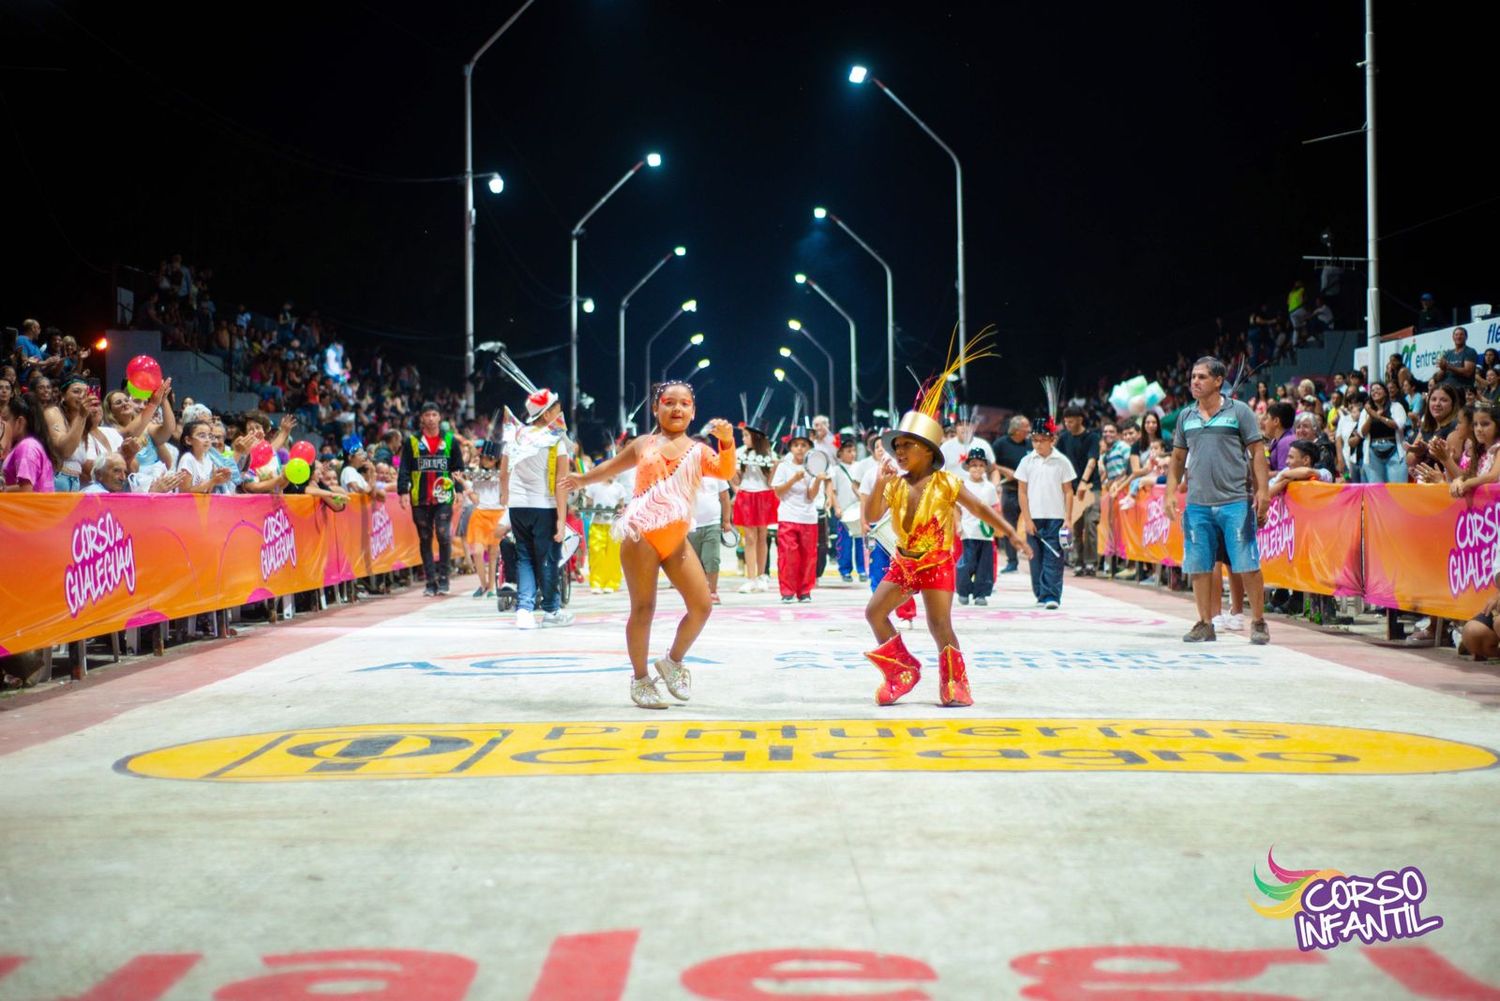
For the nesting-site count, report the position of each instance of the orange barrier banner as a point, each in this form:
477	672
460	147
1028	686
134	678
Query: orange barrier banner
1429	552
1310	542
1144	532
82	565
1311	539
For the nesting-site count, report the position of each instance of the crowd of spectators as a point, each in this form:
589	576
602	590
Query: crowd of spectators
65	431
82	434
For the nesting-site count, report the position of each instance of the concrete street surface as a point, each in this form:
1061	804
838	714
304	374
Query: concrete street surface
411	799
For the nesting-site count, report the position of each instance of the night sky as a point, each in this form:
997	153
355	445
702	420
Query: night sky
1131	171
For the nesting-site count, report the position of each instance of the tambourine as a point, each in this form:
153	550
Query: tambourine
568	546
731	539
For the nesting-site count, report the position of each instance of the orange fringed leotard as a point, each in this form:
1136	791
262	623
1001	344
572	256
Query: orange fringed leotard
924	560
661	512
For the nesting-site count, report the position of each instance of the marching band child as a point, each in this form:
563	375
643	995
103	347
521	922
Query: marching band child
922	498
755	505
797	519
976	568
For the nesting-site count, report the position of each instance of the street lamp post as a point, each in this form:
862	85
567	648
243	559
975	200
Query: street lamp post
699	366
832	392
890	310
691	306
860	74
469	206
788	354
692	342
802	279
625	302
781	376
651	160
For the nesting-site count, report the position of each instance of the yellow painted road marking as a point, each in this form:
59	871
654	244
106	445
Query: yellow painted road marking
450	750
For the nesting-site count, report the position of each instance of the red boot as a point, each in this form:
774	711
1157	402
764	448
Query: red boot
953	678
907	610
902	671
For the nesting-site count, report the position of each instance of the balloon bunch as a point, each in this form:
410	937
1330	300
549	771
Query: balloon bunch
299	466
142	377
1135	396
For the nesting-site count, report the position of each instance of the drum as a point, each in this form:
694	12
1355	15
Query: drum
568	546
883	534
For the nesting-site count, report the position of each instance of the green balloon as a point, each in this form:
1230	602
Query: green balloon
297	471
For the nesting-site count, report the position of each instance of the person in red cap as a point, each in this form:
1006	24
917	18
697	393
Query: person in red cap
539	459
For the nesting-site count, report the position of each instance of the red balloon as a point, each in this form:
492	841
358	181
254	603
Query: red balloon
260	454
144	373
304	450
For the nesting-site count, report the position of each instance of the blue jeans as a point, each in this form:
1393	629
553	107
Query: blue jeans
1211	530
976	569
880	562
1391	469
1010	508
851	552
537	554
1046	560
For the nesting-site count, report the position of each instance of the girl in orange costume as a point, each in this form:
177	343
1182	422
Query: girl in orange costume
653	532
923	500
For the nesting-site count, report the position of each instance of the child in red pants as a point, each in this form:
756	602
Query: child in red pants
797	520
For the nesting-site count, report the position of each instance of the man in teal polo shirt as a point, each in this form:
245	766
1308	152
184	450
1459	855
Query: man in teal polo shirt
1222	438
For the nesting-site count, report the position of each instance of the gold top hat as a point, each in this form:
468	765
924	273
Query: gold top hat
921	421
915	424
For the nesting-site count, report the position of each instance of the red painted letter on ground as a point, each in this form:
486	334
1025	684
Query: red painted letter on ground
402	975
1074	974
1428	975
144	978
733	978
586	967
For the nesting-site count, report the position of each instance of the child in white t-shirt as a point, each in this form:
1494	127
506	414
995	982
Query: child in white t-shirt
797	520
976	568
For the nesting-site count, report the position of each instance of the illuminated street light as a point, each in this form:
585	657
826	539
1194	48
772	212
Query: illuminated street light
625	302
695	340
653	160
588	305
832	392
691	306
497	184
469	206
858	75
890	308
817	402
781	376
703	363
802	279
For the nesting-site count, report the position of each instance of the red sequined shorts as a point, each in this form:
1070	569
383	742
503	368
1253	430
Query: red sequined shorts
932	571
